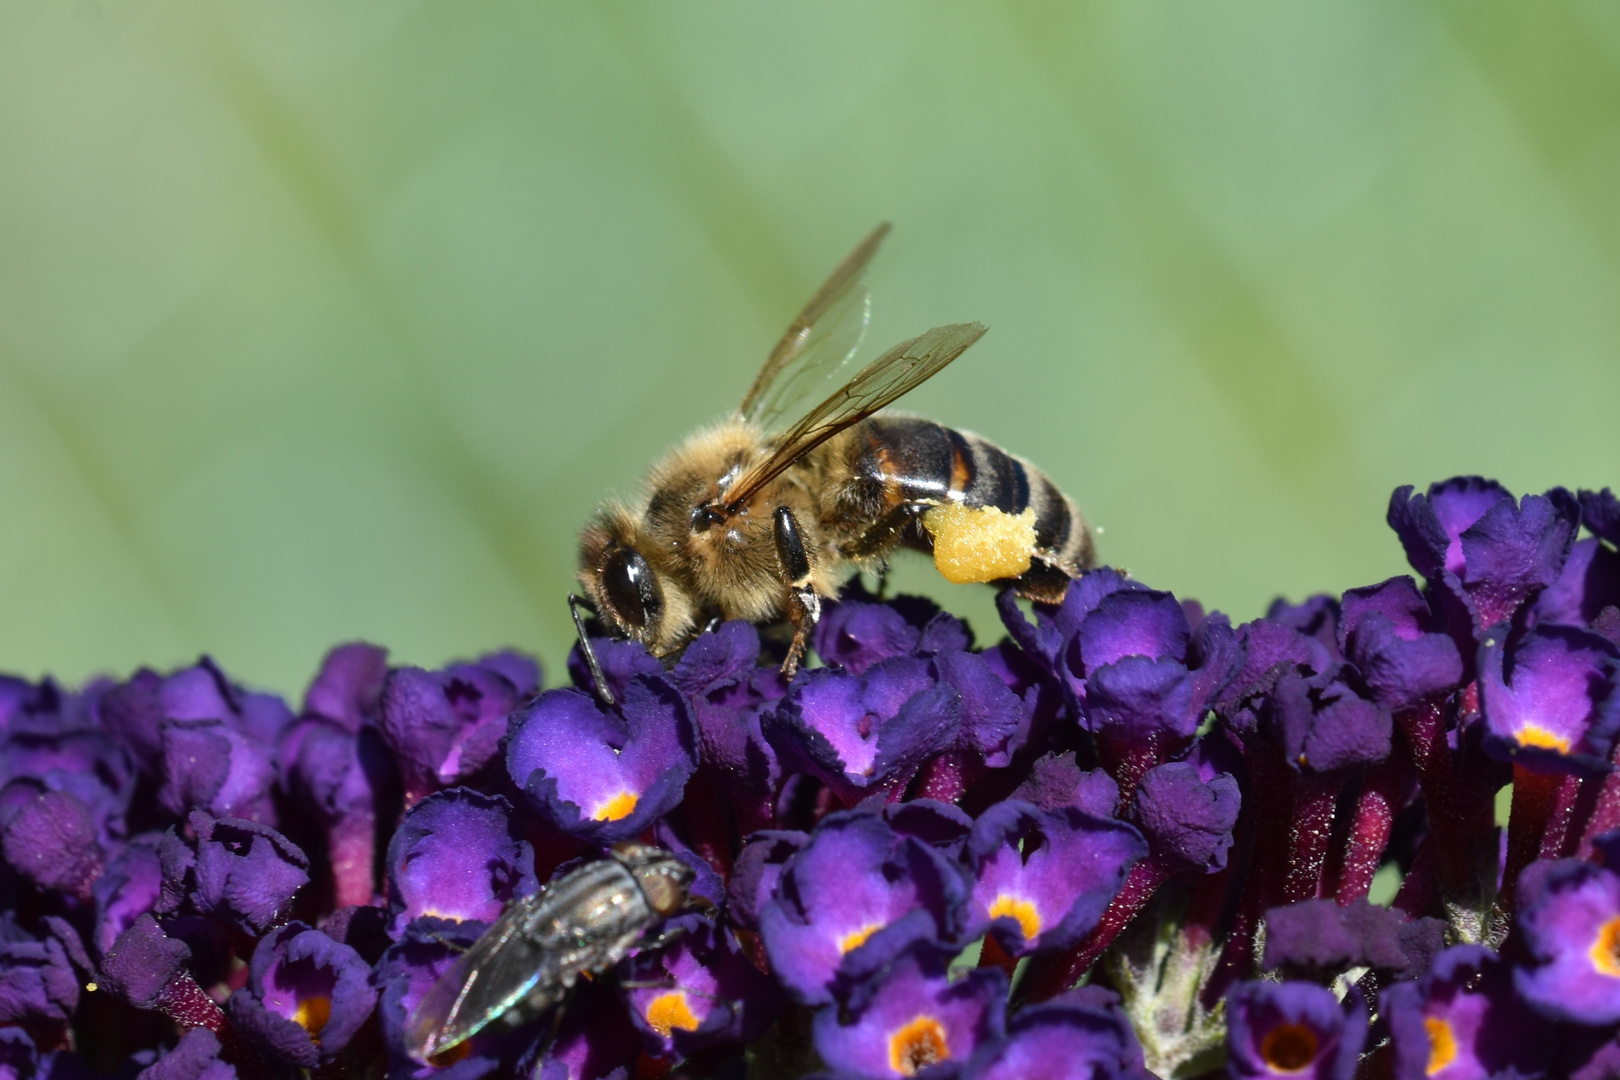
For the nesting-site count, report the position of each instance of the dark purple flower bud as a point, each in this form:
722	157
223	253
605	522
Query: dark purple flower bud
457	855
142	964
343	777
1324	728
1186	817
700	991
1589	582
1294	1029
1551	697
405	973
37	981
53	841
245	874
854	634
132	713
851	900
938	824
211	766
1320	937
348	688
305	997
912	1017
1268	651
1487	552
19	1060
195	1057
601	775
1569	915
1057	781
994	720
758	868
1396	644
867	733
1318	617
444	727
1043	878
1600	513
720	675
621	661
85	764
1461	1021
1080	1035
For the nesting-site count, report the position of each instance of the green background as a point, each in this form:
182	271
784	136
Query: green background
329	320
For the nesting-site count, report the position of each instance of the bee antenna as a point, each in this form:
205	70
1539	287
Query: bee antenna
602	691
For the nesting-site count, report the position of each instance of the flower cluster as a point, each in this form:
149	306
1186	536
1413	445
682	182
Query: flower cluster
1129	840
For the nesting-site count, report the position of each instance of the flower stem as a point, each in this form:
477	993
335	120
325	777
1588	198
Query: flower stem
1534	797
1381	794
1141	883
1310	830
1425	730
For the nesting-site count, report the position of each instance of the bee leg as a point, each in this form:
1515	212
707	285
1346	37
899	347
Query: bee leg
803	605
602	691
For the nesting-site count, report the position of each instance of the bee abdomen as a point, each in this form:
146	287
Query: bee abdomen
904	460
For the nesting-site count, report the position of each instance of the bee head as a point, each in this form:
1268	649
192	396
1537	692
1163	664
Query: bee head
663	878
622	584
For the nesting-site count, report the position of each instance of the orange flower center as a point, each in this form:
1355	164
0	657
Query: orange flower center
1538	736
619	806
313	1013
918	1045
856	938
1016	907
669	1011
1289	1047
1442	1044
1605	951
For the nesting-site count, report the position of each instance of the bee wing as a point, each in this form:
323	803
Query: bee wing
499	971
897	372
819	341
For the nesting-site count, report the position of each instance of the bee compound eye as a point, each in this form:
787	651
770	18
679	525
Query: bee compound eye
631	588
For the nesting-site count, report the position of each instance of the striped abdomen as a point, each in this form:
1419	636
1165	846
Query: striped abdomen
904	462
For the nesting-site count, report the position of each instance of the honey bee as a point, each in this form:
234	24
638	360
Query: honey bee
756	519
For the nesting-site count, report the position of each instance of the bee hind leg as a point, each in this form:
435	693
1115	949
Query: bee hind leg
803	605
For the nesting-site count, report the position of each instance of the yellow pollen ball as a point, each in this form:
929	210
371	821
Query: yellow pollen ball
855	939
1016	907
313	1013
975	544
1536	735
621	805
1289	1047
668	1011
918	1045
1605	951
1442	1044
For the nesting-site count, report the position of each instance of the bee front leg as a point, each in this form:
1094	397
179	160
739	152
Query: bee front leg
803	605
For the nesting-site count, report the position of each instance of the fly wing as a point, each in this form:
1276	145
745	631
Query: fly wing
895	373
819	341
501	969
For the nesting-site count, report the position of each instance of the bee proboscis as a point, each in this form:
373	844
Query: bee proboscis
753	519
582	923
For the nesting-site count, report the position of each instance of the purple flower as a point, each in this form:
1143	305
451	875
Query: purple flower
37	981
203	692
84	764
53	840
601	775
595	1040
1461	1021
1056	780
1320	936
1318	617
128	888
621	660
1043	878
854	634
445	727
195	1057
242	873
1324	726
864	733
348	688
213	766
342	778
1486	552
305	997
405	973
1293	1029
1080	1035
719	674
995	722
851	900
1589	582
913	1017
1186	817
700	991
1569	915
1551	697
456	855
755	874
1397	644
1053	640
